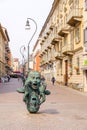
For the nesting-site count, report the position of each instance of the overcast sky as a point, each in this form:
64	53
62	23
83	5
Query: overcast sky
13	16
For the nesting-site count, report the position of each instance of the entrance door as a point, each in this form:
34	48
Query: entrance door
85	80
66	73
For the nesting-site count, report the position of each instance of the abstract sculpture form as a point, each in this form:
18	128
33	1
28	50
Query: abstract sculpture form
34	91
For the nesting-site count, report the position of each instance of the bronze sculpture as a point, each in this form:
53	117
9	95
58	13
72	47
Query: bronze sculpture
34	91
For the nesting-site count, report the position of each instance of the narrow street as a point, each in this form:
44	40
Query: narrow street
64	109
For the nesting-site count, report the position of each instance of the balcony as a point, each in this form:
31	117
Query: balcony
41	55
58	55
45	37
6	56
42	62
7	48
74	16
51	26
41	43
63	30
46	49
43	40
68	49
54	41
49	46
51	60
55	38
48	32
6	65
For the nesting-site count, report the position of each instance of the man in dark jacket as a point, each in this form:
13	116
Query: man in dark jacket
53	80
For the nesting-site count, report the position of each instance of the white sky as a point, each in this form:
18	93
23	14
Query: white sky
13	16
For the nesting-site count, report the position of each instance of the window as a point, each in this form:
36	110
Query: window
78	61
85	5
70	2
78	65
61	66
77	35
72	36
85	35
65	40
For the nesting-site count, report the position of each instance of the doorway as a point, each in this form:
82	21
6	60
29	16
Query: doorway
66	73
85	79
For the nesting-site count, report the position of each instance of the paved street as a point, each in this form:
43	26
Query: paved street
64	109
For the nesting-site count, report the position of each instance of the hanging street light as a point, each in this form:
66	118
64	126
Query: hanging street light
28	27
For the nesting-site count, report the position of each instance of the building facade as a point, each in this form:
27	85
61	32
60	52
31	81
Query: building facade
5	53
63	44
16	65
36	56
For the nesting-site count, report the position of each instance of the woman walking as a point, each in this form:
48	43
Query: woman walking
53	80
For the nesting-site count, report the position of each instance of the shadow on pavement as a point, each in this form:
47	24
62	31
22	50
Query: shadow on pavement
49	111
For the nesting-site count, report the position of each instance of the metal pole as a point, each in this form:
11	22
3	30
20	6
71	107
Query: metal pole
23	59
31	40
28	59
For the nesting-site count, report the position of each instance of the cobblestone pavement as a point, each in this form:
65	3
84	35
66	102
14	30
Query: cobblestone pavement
64	109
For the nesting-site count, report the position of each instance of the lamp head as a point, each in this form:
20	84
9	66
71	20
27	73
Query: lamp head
24	48
27	24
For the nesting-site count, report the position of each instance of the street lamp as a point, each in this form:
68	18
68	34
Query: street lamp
28	27
22	49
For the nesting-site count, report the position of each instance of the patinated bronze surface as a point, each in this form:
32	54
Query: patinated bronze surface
34	91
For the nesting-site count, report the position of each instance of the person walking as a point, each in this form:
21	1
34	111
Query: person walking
53	80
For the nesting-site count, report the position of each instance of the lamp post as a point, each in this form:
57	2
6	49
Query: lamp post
22	49
28	27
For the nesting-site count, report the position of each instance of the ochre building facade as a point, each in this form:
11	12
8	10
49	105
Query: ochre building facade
5	53
64	43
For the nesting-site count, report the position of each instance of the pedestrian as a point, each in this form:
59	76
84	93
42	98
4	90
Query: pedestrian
53	80
42	78
18	78
23	79
43	81
8	77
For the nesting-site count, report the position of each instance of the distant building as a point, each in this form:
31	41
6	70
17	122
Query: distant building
16	64
31	61
36	56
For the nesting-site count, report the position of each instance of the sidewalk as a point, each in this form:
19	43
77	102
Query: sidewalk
64	109
66	87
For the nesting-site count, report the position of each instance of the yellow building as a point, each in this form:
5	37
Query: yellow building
4	39
8	55
62	43
15	65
